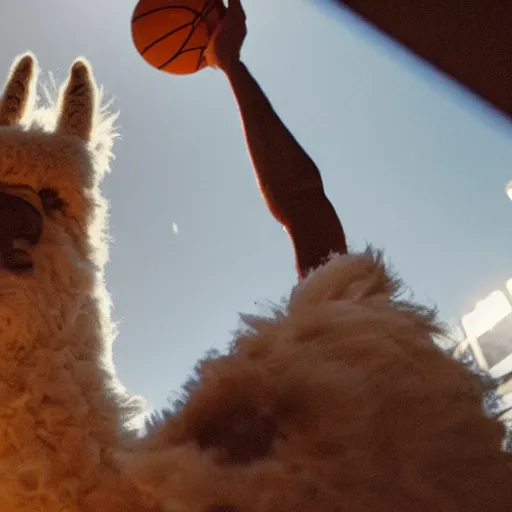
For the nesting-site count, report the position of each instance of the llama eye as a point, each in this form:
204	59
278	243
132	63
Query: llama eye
51	199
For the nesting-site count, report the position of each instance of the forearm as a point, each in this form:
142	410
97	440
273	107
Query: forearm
288	178
282	167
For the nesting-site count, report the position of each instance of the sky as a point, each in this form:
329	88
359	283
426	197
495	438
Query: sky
412	163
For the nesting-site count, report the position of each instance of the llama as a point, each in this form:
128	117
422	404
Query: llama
62	412
338	400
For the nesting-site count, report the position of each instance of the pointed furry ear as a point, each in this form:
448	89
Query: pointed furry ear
18	90
78	102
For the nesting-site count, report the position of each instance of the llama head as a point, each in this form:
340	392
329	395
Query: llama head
52	240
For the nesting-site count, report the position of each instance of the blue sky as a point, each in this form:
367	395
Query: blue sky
412	163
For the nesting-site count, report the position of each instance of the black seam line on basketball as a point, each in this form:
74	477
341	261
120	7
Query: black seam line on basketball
180	50
166	8
204	11
165	36
201	56
195	49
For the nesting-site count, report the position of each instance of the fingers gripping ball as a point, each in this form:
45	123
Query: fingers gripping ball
172	35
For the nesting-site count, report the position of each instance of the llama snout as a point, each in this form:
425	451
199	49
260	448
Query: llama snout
21	222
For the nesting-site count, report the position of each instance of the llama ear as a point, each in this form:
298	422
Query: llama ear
18	90
78	102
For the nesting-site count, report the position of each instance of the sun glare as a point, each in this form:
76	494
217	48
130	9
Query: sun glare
508	190
487	313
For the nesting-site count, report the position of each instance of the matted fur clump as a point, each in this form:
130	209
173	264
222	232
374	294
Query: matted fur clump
339	400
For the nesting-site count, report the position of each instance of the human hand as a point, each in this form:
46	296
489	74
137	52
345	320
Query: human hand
226	43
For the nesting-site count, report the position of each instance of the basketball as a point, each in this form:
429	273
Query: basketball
172	35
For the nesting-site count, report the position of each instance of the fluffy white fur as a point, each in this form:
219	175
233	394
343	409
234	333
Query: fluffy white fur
62	410
337	401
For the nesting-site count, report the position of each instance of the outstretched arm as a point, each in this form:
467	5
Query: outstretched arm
289	180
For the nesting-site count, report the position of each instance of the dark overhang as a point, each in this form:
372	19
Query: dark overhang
470	40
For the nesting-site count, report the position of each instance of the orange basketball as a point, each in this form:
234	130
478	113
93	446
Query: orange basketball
172	35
